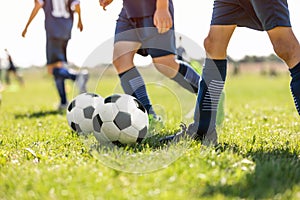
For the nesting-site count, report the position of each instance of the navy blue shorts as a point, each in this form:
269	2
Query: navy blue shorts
142	30
56	50
260	15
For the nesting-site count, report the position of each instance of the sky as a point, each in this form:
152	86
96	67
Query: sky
192	19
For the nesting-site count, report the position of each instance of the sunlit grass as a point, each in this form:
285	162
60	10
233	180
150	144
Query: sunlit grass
258	155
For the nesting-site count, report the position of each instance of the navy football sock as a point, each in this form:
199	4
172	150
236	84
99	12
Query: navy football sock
60	86
133	84
64	73
210	89
295	85
60	74
187	77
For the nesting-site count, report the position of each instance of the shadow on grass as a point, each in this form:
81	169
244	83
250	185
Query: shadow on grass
145	157
276	171
38	114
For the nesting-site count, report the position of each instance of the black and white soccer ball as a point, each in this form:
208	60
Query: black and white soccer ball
80	112
120	119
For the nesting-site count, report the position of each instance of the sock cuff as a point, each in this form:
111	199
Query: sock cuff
130	74
220	64
295	70
182	68
181	72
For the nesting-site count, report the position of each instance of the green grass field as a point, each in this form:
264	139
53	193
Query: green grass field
259	155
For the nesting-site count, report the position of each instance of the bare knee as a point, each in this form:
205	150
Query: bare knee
284	49
214	49
208	45
124	62
285	45
166	65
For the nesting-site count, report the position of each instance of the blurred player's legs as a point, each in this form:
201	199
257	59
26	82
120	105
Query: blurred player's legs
19	78
61	74
7	78
58	67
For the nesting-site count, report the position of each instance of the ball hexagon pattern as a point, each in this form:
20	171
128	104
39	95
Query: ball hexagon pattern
80	112
120	119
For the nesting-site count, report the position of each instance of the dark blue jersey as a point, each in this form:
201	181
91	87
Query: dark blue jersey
141	8
58	18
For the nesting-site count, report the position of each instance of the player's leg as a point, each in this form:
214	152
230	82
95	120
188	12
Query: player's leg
54	66
60	86
179	71
56	53
275	19
16	74
18	77
212	82
60	69
7	78
57	59
131	80
285	45
126	44
162	49
287	48
210	86
123	55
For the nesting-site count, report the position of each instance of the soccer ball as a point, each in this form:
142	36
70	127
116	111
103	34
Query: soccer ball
80	112
120	119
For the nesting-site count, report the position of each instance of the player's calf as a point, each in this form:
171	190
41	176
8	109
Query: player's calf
295	85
